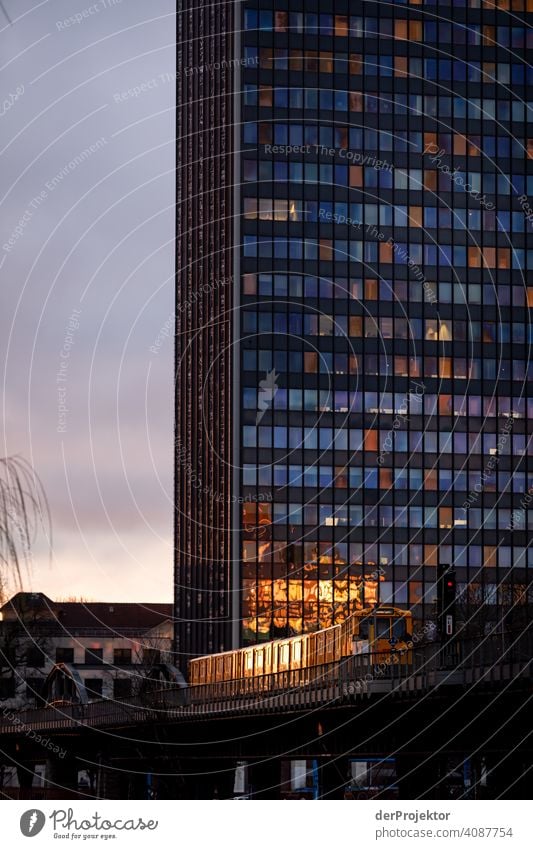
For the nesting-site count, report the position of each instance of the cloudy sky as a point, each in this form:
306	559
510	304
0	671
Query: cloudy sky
86	263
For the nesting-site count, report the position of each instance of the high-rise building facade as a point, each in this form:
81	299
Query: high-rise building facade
354	396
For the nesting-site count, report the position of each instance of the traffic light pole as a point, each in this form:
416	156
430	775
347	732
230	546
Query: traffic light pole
446	596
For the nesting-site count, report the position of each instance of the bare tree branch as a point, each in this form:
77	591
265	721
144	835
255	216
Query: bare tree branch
24	510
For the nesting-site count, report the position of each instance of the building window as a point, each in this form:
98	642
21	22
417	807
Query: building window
34	687
151	657
94	687
94	657
122	688
7	688
64	654
35	657
122	657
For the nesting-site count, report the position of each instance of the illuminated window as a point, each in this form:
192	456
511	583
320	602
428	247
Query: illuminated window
400	29
356	176
341	26
356	105
356	64
430	180
415	31
310	362
415	216
401	68
281	21
445	517
265	95
459	145
431	479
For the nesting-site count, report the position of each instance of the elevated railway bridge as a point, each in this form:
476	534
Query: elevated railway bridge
453	721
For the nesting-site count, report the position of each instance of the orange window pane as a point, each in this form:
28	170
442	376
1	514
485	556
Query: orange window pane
371	440
356	101
445	405
530	148
341	477
414	366
529	294
415	31
356	325
431	555
401	68
415	216
489	72
356	175
311	60
249	284
326	249
489	257
415	592
445	367
342	137
385	252
430	180
265	95
430	139
431	479
281	21
400	29
371	290
459	145
445	517
266	60
265	133
489	555
504	257
474	257
356	63
326	62
310	362
249	515
385	478
488	35
341	26
296	60
401	366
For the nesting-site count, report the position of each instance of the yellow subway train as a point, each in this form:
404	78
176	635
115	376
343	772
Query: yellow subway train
378	631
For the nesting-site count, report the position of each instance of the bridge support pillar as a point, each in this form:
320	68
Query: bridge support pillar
265	779
418	775
61	774
25	776
332	778
206	779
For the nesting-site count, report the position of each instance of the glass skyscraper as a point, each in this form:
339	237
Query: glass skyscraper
354	396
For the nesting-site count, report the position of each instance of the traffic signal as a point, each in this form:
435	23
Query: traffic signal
446	592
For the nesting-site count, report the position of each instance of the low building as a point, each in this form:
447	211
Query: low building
109	648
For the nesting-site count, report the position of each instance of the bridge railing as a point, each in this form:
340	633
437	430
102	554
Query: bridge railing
496	657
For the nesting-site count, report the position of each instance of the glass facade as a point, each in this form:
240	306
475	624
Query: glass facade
385	259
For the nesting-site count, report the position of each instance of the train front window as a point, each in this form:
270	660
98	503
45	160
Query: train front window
383	628
398	629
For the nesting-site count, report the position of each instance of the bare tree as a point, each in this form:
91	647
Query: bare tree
24	511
